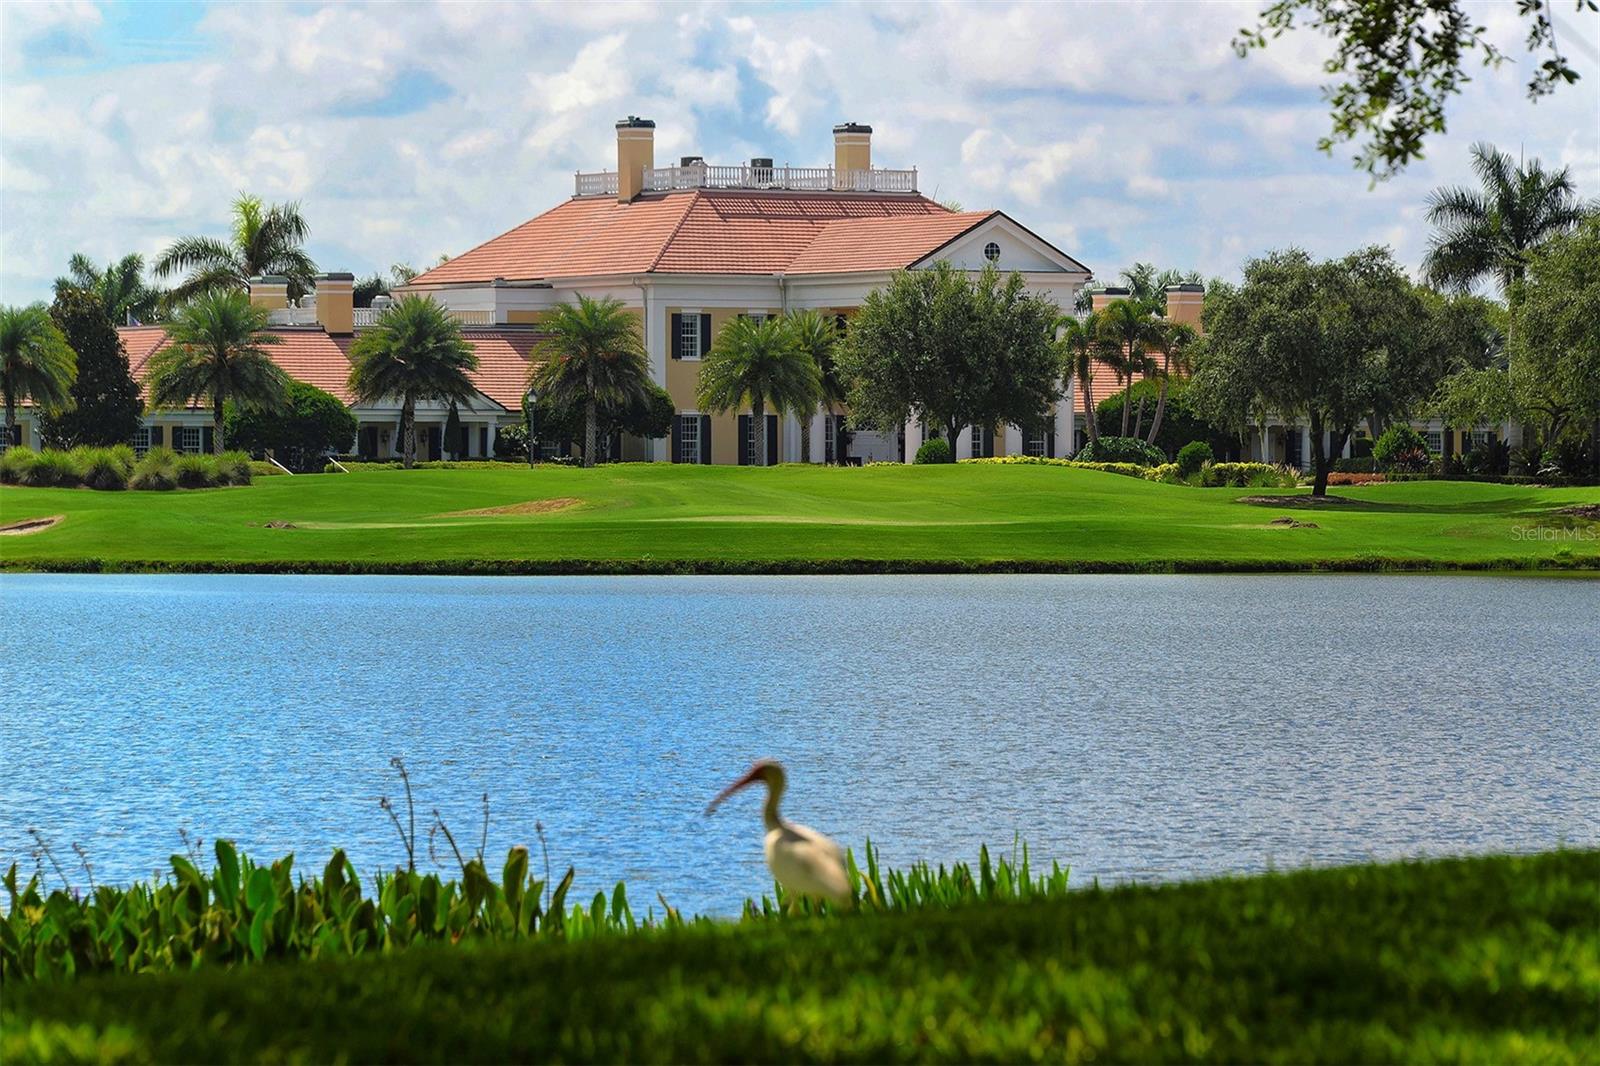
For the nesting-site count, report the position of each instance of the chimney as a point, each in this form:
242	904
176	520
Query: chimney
852	147
270	291
1099	300
636	153
1184	303
336	302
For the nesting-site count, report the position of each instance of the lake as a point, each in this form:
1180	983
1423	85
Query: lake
1132	727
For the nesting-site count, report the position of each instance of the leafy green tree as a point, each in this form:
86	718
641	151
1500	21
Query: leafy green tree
217	350
1306	339
759	362
413	351
120	287
265	240
952	351
1400	61
37	364
1491	232
593	358
1555	336
817	335
1080	347
1173	340
106	406
647	413
311	424
1180	424
1127	330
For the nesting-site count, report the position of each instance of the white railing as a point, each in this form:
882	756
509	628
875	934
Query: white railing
601	184
292	316
801	179
367	316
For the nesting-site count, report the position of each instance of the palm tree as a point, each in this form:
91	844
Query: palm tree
120	287
415	351
265	240
1147	285
817	335
1126	328
217	350
759	362
593	358
1079	345
1173	340
1490	232
36	362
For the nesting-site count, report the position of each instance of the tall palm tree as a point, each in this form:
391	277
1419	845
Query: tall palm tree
817	335
36	362
1490	232
1173	340
1126	328
265	240
1079	345
759	362
594	358
414	351
120	287
217	350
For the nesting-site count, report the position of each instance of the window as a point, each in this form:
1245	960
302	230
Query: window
977	442
991	252
750	441
188	439
1435	440
1475	439
830	430
689	335
141	440
689	438
1038	444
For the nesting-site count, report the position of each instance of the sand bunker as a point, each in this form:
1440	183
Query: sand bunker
1583	510
29	525
529	507
1292	523
1295	501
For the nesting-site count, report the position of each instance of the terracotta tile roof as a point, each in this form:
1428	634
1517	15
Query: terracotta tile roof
712	231
312	356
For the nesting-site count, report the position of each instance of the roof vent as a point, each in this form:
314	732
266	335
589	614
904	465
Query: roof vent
382	300
692	161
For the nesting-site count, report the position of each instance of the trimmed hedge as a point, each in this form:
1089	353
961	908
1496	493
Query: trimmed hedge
115	468
936	450
1483	959
1122	450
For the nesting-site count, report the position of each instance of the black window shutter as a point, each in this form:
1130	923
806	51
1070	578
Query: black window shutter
207	439
1050	444
155	436
677	437
744	440
705	438
772	440
677	337
705	335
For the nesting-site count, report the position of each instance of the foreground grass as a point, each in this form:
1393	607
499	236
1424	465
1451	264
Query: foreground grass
661	517
1487	959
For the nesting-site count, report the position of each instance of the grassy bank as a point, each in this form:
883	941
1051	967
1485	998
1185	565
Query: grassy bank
665	518
1488	959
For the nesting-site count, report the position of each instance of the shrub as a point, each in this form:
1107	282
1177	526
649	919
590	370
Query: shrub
1401	448
330	468
936	450
233	468
511	442
1166	473
1249	476
14	465
195	471
1346	478
262	468
156	472
52	469
1192	456
102	468
310	425
1121	450
1355	466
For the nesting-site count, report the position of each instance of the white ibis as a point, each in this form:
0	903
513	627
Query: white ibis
801	859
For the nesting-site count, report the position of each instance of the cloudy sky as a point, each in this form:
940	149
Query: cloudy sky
1119	131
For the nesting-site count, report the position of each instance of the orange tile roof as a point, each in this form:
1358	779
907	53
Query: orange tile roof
312	356
713	231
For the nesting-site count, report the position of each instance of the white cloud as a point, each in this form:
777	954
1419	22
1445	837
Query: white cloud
1116	130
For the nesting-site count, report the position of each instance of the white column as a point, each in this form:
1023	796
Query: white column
913	438
1065	436
1266	444
818	443
1305	447
1349	446
1013	440
655	346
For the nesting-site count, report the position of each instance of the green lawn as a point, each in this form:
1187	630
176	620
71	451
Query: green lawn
663	517
1486	960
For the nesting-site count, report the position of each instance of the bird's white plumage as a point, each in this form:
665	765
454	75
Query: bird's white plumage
807	863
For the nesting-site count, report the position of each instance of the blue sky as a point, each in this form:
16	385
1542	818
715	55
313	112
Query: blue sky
1120	131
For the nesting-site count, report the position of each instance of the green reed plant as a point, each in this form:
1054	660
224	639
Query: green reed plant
104	468
51	468
14	465
195	471
233	468
156	472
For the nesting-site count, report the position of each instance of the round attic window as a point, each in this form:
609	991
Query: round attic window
991	252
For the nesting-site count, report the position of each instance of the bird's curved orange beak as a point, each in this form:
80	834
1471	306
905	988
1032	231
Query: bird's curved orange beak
744	782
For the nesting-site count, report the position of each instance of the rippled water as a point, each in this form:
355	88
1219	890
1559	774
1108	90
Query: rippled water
1132	727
